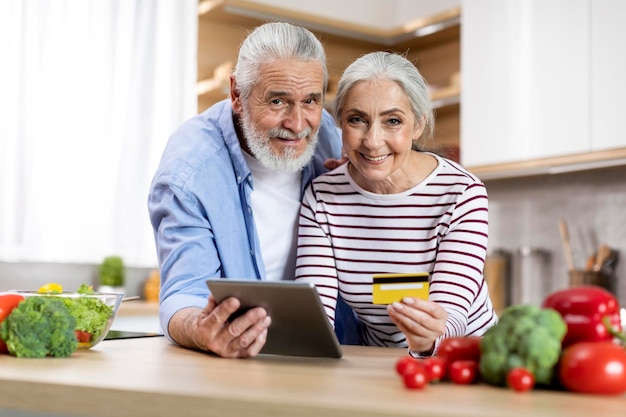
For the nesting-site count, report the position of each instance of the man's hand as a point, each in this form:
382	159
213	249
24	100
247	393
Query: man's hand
210	330
331	164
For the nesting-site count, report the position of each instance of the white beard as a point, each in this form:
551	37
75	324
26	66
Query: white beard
259	145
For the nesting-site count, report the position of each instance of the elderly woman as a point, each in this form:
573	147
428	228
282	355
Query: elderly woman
393	208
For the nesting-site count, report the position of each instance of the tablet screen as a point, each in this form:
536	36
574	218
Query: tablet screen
299	326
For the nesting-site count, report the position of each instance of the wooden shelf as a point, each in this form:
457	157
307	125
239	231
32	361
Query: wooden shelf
446	96
410	37
212	88
554	165
215	88
236	10
432	43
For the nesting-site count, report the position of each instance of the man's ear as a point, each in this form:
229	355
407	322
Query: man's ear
235	95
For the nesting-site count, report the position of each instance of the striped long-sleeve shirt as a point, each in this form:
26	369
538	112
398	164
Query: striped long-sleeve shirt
440	226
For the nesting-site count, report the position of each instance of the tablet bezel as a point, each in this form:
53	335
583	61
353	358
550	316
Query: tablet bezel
299	326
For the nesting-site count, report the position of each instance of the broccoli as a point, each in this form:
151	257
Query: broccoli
39	327
525	336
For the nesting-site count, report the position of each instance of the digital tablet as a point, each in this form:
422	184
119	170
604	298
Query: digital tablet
124	334
299	326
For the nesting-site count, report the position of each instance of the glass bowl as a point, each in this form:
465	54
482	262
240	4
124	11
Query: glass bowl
94	313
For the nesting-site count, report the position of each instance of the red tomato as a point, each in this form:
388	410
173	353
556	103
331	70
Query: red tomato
406	364
460	348
594	368
415	378
83	337
7	303
435	368
520	379
463	371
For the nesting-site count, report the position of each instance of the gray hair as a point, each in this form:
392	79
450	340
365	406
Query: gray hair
275	41
394	67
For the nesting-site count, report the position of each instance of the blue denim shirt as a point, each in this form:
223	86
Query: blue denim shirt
201	213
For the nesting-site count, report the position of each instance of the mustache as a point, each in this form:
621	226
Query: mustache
288	134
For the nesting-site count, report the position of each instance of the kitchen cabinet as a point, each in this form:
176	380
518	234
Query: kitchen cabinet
432	42
541	86
525	80
608	66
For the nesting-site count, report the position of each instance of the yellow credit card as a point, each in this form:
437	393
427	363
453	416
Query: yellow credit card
389	288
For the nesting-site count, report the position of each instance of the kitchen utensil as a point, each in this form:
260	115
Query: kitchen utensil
531	275
579	277
497	275
609	263
603	254
600	273
567	248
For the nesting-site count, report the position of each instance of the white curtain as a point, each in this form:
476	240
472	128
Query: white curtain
90	90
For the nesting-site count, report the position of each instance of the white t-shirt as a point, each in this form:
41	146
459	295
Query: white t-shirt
276	207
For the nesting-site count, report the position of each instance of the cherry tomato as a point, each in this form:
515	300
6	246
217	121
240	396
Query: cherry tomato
460	348
406	364
435	368
415	378
594	368
82	336
7	303
463	371
520	379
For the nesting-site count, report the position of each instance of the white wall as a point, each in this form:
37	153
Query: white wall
32	275
526	212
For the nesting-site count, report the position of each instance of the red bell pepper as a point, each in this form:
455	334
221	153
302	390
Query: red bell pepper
8	302
586	311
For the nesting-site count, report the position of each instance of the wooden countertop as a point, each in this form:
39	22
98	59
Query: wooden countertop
151	377
138	308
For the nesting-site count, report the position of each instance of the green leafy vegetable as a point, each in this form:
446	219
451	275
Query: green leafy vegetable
91	313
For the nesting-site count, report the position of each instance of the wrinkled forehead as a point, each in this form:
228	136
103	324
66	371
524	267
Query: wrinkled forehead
291	77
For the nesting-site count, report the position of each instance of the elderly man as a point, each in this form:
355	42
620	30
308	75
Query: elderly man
225	199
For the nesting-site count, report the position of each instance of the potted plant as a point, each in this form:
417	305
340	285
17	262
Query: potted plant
112	273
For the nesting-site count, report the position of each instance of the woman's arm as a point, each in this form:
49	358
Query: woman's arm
458	296
315	259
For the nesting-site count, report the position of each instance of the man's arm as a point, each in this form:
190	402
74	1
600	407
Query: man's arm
188	315
181	327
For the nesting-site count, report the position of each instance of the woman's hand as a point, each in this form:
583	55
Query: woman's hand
421	321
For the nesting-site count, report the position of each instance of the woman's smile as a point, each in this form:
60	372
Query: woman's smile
375	158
